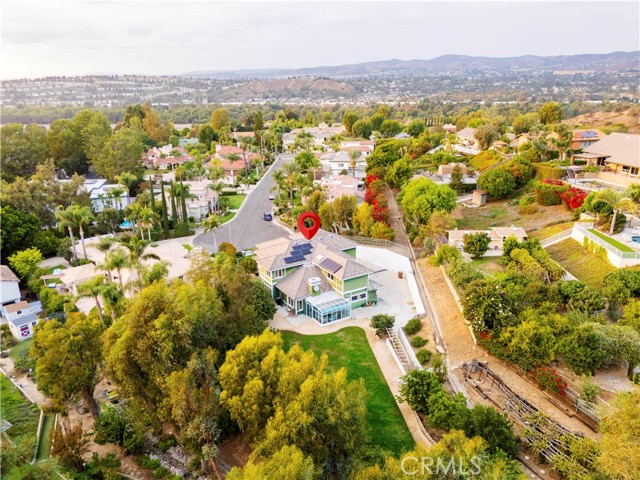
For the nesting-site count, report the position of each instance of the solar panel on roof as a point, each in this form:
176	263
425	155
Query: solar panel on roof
330	265
294	258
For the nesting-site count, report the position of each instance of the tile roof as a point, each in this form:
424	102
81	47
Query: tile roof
228	150
7	275
349	267
295	285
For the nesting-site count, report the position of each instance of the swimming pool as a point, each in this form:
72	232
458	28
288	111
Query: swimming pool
635	239
126	224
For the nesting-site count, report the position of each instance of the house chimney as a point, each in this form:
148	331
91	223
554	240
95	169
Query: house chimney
314	286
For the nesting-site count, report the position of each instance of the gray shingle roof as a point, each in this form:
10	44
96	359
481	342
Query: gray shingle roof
620	148
295	286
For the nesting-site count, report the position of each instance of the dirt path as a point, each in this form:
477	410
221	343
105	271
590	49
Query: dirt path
383	355
395	218
461	348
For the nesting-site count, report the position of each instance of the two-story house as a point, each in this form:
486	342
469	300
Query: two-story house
320	278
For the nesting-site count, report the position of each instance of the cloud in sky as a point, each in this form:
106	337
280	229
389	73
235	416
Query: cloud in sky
58	37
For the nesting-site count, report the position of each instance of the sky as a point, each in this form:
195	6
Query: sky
61	37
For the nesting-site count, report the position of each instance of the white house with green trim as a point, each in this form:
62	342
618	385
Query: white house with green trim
320	278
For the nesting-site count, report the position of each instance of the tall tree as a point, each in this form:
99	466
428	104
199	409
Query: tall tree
67	356
122	153
219	119
550	112
165	217
23	149
67	220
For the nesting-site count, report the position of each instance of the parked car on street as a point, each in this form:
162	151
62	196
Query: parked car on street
267	216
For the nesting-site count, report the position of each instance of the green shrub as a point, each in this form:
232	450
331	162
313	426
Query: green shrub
524	201
381	322
418	342
413	326
147	462
423	356
160	472
446	253
543	171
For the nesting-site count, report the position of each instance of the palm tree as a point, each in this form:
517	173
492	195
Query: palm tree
563	141
618	201
111	297
104	245
291	172
93	289
244	144
133	215
136	253
634	192
127	180
66	220
210	224
216	188
147	220
84	217
117	260
182	171
278	177
354	156
116	193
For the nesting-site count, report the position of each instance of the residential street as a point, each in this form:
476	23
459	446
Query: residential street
248	228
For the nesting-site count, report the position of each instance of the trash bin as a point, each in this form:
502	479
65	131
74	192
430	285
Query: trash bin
400	274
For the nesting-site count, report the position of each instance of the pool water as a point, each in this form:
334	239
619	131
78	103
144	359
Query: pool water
126	224
635	239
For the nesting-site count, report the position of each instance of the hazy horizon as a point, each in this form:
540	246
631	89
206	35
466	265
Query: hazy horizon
69	38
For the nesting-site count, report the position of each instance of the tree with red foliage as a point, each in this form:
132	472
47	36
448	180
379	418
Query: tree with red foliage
380	211
573	198
374	190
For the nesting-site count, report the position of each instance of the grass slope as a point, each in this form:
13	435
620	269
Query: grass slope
584	265
550	231
349	348
17	410
18	348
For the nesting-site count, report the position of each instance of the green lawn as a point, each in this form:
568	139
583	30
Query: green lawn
44	446
611	241
550	231
20	347
349	348
234	200
488	265
227	217
17	410
584	265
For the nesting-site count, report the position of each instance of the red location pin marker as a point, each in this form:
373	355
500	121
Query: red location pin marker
309	232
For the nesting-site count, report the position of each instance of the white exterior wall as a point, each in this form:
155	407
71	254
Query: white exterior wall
9	292
578	235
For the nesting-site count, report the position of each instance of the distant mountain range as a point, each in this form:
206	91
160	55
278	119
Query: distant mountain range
615	61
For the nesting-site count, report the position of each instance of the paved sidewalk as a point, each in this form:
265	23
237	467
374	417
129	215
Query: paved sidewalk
388	365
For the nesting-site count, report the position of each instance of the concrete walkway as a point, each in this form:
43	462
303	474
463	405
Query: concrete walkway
23	383
307	326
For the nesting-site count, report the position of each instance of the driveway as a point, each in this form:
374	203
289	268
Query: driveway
248	228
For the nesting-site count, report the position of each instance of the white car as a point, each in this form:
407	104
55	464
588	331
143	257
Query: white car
272	196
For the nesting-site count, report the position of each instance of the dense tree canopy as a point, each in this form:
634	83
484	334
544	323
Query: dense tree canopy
421	197
23	149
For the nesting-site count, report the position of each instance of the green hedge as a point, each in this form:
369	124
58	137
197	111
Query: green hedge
543	171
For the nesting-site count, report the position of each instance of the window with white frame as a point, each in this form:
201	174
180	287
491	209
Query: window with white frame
278	273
